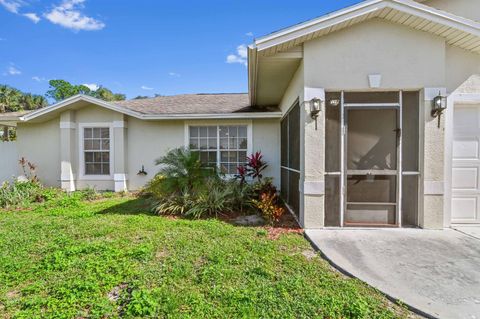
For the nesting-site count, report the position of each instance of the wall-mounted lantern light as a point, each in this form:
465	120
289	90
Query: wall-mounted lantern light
439	105
315	108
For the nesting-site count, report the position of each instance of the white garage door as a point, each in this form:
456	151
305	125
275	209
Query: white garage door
466	165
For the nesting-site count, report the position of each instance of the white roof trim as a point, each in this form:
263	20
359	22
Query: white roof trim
207	116
77	98
363	8
142	116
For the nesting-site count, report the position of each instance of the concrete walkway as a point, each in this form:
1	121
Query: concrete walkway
437	272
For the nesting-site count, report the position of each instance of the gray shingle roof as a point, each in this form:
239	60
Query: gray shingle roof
193	104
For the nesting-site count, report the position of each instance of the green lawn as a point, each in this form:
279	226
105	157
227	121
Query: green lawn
112	258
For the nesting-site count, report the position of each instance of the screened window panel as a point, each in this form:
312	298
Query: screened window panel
410	135
332	134
290	158
293	192
372	188
294	138
410	200
332	200
284	143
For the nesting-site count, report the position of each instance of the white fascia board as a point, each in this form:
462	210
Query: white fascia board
364	8
259	115
438	16
77	98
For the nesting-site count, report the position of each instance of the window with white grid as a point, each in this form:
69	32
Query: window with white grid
96	149
223	146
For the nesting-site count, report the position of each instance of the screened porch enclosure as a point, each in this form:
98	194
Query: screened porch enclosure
371	159
290	159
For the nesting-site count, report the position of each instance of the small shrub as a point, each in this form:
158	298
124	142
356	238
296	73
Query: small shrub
240	196
269	208
213	200
174	205
89	194
16	193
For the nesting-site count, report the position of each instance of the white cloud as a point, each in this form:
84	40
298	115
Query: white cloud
32	16
240	56
11	5
92	86
38	78
68	15
143	87
14	6
174	74
249	34
12	70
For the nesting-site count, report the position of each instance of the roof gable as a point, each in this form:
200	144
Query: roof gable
76	100
457	31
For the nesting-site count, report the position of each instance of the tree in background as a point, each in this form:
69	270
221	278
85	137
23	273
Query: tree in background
9	99
105	94
61	90
14	100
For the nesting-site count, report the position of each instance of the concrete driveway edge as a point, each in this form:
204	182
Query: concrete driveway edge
348	274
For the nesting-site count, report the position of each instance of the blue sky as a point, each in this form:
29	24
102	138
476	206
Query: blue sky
140	47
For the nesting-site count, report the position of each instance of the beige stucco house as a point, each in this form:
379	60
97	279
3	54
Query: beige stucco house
348	109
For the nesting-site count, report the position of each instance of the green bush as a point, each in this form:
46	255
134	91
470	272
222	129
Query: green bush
181	171
19	193
184	187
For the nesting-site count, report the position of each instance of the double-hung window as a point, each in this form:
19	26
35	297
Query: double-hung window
96	151
223	146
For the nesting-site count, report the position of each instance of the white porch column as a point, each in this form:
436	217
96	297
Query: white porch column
120	153
432	163
67	150
312	180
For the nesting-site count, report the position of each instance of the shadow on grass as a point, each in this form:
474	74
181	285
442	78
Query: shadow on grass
135	206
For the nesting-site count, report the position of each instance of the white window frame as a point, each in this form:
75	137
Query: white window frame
247	123
81	151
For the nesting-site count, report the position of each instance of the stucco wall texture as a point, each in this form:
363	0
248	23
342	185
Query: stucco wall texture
137	144
407	60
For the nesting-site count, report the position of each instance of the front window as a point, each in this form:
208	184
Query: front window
96	148
222	146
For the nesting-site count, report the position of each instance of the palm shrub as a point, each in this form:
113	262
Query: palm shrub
181	171
183	186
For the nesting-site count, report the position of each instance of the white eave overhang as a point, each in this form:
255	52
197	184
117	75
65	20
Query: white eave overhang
457	31
58	107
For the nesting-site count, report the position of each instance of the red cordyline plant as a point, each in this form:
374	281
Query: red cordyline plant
242	174
254	167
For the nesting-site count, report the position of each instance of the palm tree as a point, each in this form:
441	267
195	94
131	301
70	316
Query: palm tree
30	101
9	99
